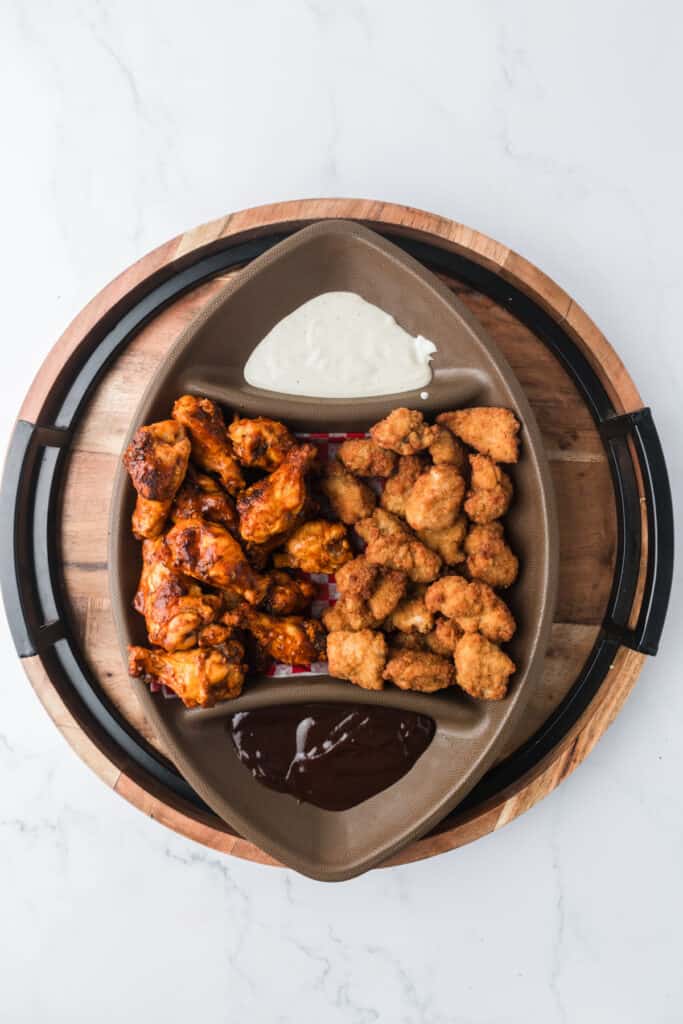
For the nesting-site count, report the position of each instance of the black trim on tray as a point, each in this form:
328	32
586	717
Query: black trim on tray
34	598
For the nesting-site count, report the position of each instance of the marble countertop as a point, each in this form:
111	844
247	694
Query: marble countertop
554	128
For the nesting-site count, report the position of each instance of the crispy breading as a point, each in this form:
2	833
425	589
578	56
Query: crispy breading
419	670
211	447
491	431
287	594
361	455
489	558
447	543
174	606
200	677
474	606
392	544
369	593
483	670
490	490
400	484
435	499
270	507
202	497
403	431
357	656
445	448
350	499
260	442
443	637
207	552
316	546
411	615
156	460
407	641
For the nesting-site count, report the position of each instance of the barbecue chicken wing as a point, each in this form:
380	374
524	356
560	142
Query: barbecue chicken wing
207	552
211	447
156	460
174	607
270	507
317	546
260	442
292	640
200	677
287	595
202	497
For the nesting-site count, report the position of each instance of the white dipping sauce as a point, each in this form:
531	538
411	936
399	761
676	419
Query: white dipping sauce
337	345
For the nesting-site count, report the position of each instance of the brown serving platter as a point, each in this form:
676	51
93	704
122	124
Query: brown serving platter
468	369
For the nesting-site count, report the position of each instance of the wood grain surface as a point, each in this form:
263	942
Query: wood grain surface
577	458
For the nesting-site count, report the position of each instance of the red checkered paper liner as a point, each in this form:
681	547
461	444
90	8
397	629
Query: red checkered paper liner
326	590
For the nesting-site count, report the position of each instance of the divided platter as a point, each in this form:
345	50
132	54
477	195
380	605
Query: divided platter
467	370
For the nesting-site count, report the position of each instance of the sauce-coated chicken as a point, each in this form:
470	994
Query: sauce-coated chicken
156	460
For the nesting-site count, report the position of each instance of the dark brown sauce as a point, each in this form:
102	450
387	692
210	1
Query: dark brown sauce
331	755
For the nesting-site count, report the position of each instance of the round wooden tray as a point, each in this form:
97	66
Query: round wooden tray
613	496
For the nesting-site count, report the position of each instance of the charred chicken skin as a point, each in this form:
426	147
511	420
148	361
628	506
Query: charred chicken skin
317	546
211	447
156	460
202	497
260	442
207	552
290	639
200	677
270	507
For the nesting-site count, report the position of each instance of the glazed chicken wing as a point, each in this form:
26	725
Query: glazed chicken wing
419	670
174	607
357	656
491	432
488	556
350	499
400	484
156	460
474	606
260	442
292	640
361	455
287	595
448	543
202	497
200	677
490	491
211	447
435	499
483	670
403	431
317	546
207	552
270	507
390	543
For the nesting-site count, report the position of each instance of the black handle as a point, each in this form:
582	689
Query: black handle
647	632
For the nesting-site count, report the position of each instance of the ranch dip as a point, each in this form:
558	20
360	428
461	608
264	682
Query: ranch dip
337	345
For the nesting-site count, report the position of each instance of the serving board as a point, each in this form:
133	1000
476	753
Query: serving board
608	471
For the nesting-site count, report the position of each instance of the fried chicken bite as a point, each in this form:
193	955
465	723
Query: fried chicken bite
490	491
406	641
446	449
316	546
400	484
350	499
211	447
369	593
403	431
200	677
156	460
202	497
260	442
489	558
419	670
207	552
174	607
390	543
435	499
364	457
443	637
474	606
411	615
490	431
290	639
357	656
448	543
287	595
483	670
270	507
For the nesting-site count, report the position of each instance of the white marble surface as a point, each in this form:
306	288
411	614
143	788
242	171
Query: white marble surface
553	127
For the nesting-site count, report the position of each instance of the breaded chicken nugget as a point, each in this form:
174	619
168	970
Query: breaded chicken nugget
488	556
369	593
419	670
483	670
447	543
443	637
392	544
357	656
350	499
490	490
361	455
474	606
435	499
400	484
403	431
446	448
491	431
411	615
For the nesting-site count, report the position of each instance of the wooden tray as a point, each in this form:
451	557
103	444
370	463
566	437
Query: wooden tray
615	508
